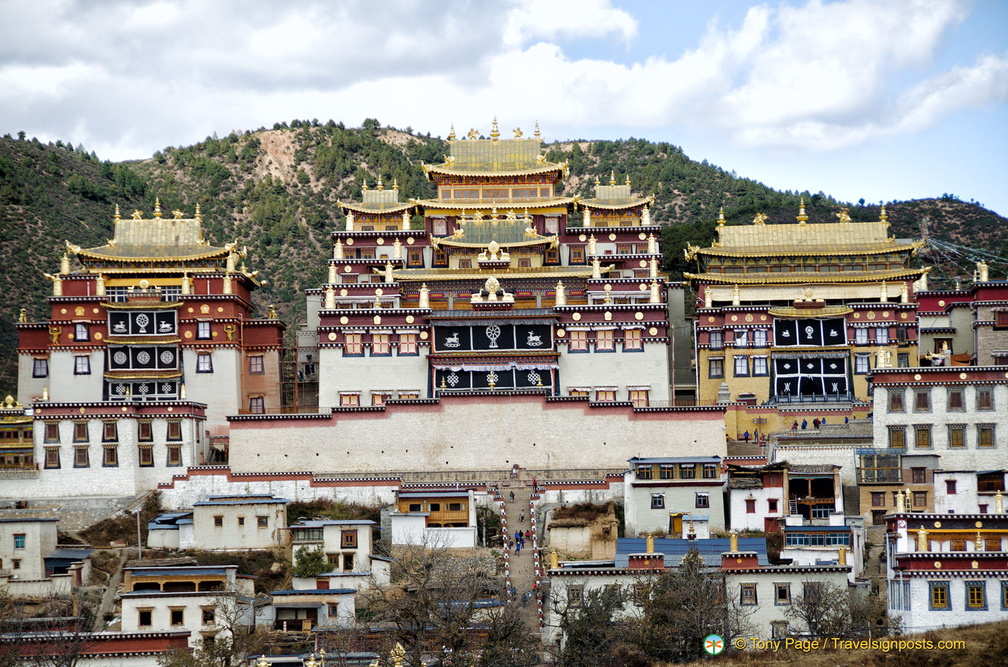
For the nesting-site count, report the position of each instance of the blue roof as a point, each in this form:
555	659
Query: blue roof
316	591
168	520
674	549
197	570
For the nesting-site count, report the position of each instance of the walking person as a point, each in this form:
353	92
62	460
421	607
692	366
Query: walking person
521	518
512	496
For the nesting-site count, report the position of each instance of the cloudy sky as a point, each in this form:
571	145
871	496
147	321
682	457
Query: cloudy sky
880	99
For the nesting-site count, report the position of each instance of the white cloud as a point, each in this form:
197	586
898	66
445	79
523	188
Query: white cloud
548	19
816	76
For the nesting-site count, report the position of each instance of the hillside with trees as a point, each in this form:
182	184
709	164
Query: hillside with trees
276	192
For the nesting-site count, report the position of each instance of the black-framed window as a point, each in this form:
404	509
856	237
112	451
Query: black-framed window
657	501
82	364
203	331
204	362
715	367
81	332
40	368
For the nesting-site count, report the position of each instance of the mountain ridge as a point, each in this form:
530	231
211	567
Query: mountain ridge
277	191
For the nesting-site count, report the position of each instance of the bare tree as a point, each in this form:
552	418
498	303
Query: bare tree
49	631
683	605
827	610
446	605
235	640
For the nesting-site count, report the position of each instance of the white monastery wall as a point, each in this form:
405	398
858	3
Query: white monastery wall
471	433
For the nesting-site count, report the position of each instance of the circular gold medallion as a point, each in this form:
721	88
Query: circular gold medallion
643	263
582	238
377	319
349	241
734	318
561	333
576	317
423	335
409	319
410	240
638	316
98	336
380	241
343	292
653	331
612	237
748	317
332	336
344	320
346	269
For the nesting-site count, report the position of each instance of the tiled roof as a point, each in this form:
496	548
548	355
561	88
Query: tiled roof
156	238
674	549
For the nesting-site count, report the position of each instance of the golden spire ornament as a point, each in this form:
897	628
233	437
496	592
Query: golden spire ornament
157	207
495	133
451	134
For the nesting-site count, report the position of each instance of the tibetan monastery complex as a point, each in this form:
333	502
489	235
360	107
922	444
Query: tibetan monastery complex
472	332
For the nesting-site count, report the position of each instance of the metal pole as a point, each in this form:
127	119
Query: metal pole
139	546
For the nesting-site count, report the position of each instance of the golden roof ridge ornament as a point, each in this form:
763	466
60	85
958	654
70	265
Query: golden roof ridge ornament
802	217
137	215
720	218
395	183
117	216
844	214
199	215
380	185
536	134
472	133
612	177
517	132
495	133
451	133
759	219
157	207
627	179
364	185
883	216
177	214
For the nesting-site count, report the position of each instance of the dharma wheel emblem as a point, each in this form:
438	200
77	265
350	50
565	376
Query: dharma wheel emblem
493	332
120	358
809	331
143	357
142	322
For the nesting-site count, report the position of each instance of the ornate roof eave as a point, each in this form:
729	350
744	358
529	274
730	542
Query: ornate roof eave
600	203
486	204
211	253
360	207
803	278
543	168
468	274
553	241
793	252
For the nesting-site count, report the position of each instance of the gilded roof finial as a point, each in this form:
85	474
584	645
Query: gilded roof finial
495	133
380	186
536	133
597	181
802	218
117	216
720	217
199	215
157	207
364	185
628	179
759	219
177	214
882	214
451	134
612	177
137	215
844	215
395	183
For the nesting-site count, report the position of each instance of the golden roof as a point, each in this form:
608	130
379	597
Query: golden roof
488	204
156	239
361	207
614	196
616	204
495	157
803	278
829	238
508	231
559	272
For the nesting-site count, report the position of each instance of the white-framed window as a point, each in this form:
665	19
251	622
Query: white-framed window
204	362
882	335
861	336
862	363
760	366
82	365
741	366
